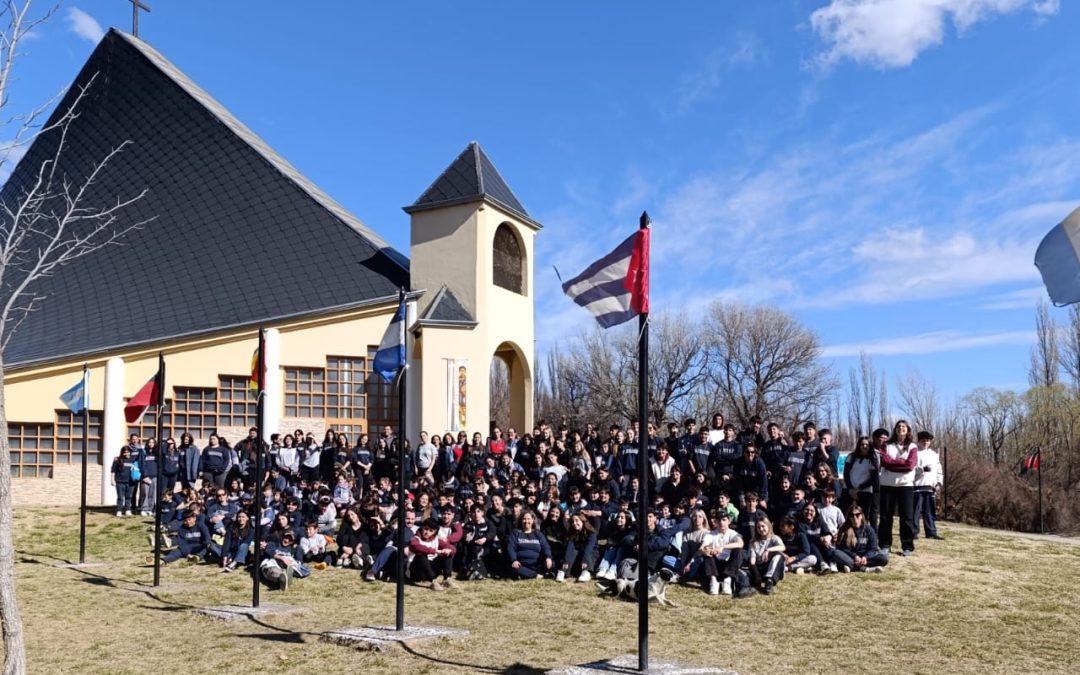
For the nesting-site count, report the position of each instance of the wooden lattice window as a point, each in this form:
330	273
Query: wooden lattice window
69	437
305	392
382	397
147	426
196	411
346	403
508	260
33	450
236	402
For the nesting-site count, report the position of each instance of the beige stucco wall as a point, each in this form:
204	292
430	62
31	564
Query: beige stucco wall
32	394
462	234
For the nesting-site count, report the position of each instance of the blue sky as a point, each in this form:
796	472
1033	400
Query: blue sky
882	169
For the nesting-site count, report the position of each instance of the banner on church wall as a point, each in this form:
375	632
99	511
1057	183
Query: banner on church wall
456	393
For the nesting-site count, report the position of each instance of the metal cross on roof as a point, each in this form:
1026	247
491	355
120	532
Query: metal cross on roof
136	5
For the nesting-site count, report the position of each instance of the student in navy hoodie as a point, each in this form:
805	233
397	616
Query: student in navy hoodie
528	550
192	539
750	475
857	545
798	556
238	538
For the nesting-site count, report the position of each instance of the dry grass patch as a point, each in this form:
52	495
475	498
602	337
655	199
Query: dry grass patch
978	602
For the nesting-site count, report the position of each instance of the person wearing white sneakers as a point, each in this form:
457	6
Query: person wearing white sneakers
619	532
580	549
725	547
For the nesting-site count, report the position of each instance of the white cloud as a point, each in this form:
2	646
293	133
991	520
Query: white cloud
929	343
84	25
892	33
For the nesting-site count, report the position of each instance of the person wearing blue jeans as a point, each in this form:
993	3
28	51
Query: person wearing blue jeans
619	533
122	480
927	480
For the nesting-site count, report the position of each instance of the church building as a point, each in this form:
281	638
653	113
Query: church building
234	239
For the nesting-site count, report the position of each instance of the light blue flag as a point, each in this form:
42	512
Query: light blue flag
1058	260
76	398
391	354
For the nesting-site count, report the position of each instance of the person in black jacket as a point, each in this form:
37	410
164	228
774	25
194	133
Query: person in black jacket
354	548
192	540
478	536
750	475
238	538
798	556
862	471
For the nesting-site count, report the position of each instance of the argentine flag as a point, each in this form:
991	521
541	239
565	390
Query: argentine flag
1058	260
391	354
77	398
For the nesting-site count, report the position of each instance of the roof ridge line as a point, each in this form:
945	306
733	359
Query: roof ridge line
260	146
479	169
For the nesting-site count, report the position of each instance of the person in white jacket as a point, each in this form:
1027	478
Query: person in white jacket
927	480
898	463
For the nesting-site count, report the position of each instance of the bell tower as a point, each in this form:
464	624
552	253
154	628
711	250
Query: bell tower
471	252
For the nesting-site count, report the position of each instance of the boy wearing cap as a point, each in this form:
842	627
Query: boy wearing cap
927	480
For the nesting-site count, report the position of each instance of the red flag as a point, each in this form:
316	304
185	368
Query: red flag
637	277
1031	461
147	396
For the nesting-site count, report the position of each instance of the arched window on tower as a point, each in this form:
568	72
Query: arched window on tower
508	260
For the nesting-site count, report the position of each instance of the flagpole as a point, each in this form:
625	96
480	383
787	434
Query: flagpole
85	443
1038	467
643	482
944	482
260	379
399	622
160	479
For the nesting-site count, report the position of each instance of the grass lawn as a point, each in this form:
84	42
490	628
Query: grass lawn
978	602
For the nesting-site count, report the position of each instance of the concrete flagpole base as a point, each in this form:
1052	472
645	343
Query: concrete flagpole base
628	664
378	638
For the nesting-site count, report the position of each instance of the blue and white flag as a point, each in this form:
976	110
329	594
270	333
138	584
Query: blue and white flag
77	399
391	354
1058	260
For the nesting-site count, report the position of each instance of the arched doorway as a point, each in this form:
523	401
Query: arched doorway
511	389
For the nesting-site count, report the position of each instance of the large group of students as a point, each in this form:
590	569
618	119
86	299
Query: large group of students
731	510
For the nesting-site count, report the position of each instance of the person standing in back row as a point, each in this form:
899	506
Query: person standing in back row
927	480
898	463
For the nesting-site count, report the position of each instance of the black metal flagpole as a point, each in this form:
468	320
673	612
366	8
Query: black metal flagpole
260	380
399	622
643	483
85	443
157	449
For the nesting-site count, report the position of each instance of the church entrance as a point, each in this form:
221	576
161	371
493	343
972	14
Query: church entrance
510	386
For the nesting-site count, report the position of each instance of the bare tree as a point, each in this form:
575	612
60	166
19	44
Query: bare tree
764	362
1045	360
919	400
499	392
865	396
1069	348
45	222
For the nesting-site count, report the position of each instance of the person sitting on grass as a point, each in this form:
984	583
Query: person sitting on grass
430	557
192	539
579	553
280	564
691	563
765	560
479	538
798	556
812	525
528	550
354	549
722	553
314	547
238	538
857	545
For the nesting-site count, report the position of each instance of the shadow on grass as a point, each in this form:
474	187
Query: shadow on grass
516	669
290	636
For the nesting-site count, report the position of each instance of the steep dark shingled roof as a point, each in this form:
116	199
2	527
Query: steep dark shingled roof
469	178
239	236
446	308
